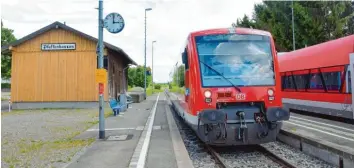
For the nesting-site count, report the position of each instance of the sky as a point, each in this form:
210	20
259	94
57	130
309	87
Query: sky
169	23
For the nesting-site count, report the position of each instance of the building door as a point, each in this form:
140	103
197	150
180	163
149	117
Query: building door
351	76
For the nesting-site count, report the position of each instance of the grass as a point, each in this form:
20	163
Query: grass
25	150
176	89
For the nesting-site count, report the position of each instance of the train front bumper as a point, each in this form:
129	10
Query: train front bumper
228	127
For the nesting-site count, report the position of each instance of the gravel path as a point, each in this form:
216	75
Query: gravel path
43	138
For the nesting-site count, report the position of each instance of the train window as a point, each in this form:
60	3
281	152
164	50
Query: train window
185	59
315	81
288	82
300	81
332	80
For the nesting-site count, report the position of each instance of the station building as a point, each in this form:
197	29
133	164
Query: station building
55	67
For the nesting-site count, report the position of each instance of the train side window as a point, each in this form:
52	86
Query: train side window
301	81
315	81
332	80
288	82
185	59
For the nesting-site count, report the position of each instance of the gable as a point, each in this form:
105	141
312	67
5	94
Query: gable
56	36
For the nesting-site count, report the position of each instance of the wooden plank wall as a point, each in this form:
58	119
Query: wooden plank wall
54	76
116	66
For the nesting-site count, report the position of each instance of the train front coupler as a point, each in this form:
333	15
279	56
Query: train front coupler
242	131
214	124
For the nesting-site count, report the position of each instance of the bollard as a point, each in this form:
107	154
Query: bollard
9	104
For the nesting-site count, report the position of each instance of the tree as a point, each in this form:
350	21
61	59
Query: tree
136	77
6	38
315	21
180	73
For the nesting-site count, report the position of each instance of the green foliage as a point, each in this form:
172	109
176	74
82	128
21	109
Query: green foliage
315	21
6	38
136	77
6	85
180	76
157	86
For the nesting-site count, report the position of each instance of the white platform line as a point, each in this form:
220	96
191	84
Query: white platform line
324	128
349	139
343	128
112	129
142	152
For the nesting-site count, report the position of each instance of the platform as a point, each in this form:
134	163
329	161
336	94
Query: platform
146	135
328	140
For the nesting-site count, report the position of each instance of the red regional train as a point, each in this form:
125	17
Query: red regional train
232	87
317	79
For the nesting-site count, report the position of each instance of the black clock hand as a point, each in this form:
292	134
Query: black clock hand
114	19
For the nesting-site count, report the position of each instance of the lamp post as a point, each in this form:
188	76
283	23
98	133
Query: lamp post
292	18
177	73
146	9
152	64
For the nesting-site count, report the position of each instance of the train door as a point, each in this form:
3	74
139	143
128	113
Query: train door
185	60
351	76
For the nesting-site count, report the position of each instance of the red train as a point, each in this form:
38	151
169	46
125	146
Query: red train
318	78
233	92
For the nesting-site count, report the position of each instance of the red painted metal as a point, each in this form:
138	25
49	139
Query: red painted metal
195	101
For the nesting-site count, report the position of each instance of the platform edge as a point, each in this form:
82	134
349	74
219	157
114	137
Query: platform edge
182	157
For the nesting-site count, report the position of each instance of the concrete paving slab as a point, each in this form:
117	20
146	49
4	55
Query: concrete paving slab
115	153
161	154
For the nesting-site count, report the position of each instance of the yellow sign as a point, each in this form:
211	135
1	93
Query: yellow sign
101	75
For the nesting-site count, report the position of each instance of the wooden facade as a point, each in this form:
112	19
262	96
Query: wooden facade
62	75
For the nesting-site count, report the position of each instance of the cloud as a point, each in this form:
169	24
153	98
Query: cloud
168	23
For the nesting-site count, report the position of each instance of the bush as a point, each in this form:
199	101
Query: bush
157	86
5	85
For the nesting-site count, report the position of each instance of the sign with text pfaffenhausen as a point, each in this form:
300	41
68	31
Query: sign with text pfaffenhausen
58	46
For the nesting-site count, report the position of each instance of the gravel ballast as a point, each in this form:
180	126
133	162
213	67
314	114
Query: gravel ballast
244	158
44	138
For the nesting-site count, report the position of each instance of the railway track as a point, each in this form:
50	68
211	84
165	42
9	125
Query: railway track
275	158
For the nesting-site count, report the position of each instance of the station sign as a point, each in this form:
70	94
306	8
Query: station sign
58	46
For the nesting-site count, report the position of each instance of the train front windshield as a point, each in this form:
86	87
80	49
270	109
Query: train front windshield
245	60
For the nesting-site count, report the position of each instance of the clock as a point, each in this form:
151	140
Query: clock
114	23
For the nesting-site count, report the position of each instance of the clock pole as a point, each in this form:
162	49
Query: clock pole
100	66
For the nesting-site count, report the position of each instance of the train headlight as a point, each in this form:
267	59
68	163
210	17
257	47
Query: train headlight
270	92
207	94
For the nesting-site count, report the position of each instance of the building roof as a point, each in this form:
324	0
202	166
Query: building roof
67	28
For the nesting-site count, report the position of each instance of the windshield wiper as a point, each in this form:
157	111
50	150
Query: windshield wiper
217	72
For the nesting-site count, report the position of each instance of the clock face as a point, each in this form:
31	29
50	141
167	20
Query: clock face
114	23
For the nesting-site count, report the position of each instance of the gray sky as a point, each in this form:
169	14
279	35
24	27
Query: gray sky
168	23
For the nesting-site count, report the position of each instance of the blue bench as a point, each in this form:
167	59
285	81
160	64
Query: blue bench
115	106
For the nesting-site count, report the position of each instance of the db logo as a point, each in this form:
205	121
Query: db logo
240	96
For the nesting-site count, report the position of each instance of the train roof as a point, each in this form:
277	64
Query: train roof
330	53
238	30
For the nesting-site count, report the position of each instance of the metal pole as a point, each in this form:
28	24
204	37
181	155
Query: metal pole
152	65
292	15
177	74
145	56
100	65
147	9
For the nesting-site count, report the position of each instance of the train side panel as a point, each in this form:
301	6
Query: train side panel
323	86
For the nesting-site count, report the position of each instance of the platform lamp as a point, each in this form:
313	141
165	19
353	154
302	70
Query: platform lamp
146	9
152	65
